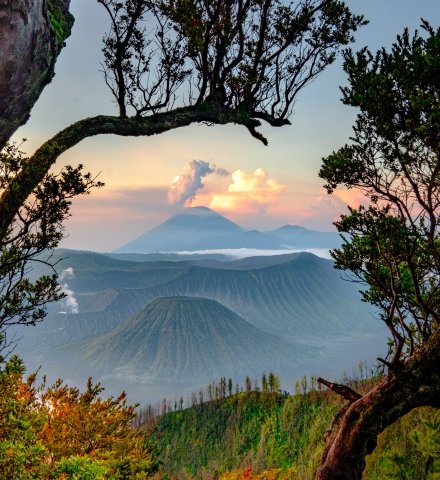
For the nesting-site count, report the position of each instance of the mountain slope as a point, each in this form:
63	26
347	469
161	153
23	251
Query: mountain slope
200	228
192	226
299	297
185	337
298	294
299	237
302	296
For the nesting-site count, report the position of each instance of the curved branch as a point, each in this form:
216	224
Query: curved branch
343	390
39	164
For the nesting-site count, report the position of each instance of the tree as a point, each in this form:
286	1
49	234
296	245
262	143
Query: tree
392	245
48	432
248	384
168	63
20	448
264	386
273	382
36	229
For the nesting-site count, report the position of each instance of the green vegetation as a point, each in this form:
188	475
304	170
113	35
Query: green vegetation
409	449
260	429
57	432
272	435
60	20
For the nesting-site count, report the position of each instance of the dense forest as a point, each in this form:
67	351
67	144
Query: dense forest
225	432
266	434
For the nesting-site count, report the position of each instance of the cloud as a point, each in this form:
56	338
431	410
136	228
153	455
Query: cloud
237	253
248	192
352	197
185	186
70	302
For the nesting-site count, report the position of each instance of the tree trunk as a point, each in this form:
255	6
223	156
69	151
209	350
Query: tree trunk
32	33
355	428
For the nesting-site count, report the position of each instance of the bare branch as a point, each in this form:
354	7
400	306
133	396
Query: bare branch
342	390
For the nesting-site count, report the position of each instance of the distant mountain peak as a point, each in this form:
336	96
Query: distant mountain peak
199	210
200	228
291	228
182	231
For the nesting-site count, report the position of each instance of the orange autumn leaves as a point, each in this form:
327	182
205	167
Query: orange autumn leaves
57	432
272	474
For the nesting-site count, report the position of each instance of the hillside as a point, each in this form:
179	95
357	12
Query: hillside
237	437
190	229
187	338
297	294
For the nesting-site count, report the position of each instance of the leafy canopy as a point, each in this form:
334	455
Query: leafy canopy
59	432
392	244
37	228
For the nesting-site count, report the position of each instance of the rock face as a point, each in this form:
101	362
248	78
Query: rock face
32	33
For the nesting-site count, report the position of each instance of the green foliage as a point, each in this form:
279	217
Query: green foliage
36	230
408	449
80	468
60	19
392	245
271	436
263	429
59	432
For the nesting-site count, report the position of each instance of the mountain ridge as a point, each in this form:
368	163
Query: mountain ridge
200	228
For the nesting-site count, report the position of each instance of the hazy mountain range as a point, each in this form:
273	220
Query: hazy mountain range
138	323
200	228
139	319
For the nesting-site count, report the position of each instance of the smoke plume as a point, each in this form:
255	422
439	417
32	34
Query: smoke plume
185	186
70	302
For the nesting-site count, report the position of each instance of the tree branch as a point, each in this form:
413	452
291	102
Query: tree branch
342	390
39	164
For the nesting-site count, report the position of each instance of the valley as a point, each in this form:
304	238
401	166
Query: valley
170	326
162	324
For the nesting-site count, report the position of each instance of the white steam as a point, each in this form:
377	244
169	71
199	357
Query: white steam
185	186
70	302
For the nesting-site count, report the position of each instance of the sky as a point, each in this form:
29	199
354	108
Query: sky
222	167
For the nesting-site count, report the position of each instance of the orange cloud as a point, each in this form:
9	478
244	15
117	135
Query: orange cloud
248	192
352	197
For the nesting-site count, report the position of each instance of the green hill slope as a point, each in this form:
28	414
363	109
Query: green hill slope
283	435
